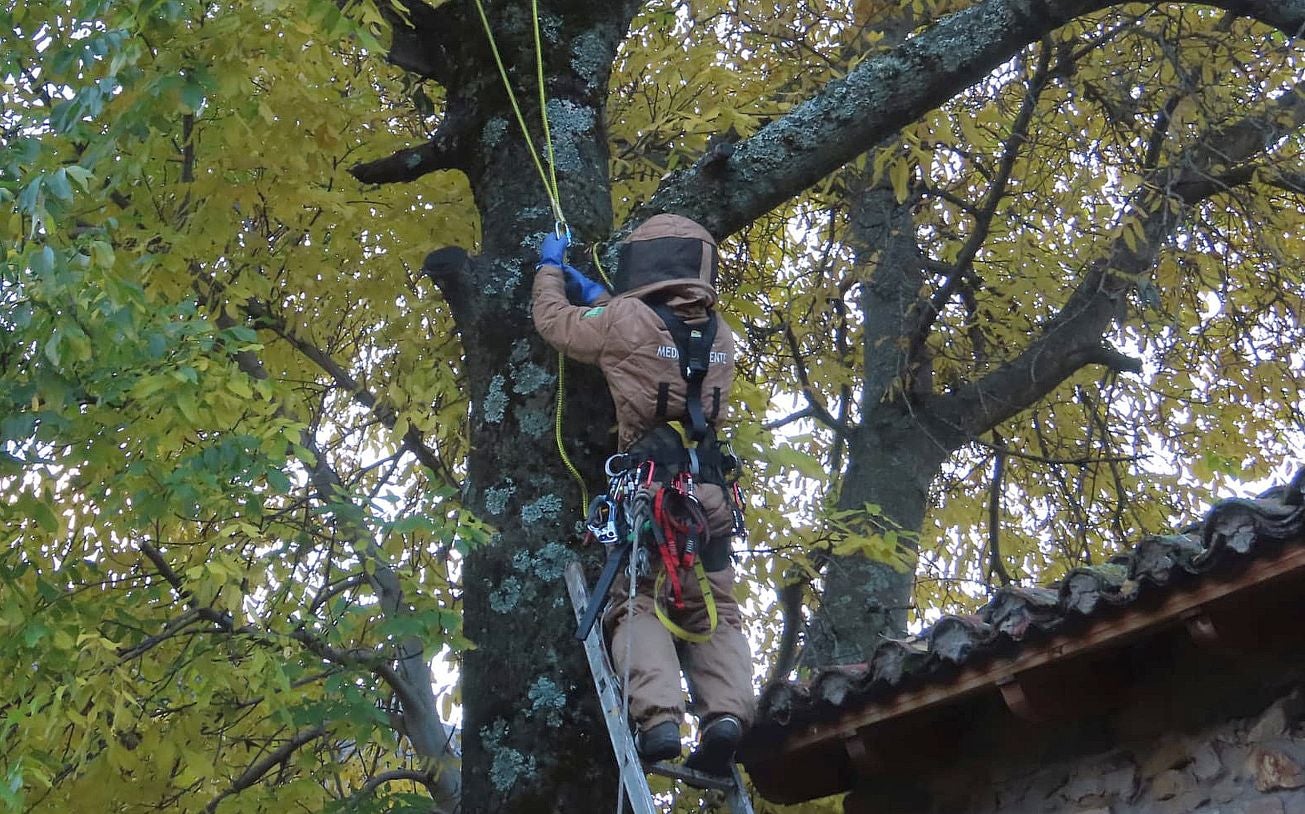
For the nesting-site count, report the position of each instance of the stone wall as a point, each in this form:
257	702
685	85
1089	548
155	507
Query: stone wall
1185	730
1243	766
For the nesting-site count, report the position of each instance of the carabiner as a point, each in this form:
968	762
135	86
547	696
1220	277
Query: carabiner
607	467
561	229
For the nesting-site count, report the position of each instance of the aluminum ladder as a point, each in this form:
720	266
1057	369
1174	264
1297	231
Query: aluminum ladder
633	771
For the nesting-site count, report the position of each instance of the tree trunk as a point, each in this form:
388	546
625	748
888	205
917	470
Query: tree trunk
891	463
534	739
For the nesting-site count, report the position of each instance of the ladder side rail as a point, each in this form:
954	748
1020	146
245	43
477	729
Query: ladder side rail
737	797
627	757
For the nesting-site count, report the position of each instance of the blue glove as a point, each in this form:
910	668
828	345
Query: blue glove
552	252
580	288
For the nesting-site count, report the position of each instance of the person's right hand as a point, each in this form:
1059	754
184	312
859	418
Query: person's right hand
552	252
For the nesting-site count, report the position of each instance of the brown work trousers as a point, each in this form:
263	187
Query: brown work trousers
719	670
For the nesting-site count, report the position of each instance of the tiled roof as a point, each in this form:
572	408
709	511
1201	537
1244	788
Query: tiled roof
1234	533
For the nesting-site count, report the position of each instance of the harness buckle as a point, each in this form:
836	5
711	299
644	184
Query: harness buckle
601	522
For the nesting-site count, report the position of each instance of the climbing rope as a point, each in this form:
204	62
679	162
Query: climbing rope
598	264
558	411
549	179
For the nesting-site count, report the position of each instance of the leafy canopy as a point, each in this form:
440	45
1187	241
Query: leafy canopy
216	349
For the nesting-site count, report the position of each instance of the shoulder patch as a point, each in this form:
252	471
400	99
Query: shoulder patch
593	312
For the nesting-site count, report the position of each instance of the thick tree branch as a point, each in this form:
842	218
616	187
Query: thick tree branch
1112	359
877	98
1293	182
449	268
1073	337
446	150
396	776
412	681
423	36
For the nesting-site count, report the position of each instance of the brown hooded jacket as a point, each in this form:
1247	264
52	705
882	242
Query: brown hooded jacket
671	259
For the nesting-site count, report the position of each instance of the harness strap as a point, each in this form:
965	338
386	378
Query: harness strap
666	547
708	598
670	514
694	346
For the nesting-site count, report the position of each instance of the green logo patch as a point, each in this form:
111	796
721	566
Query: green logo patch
593	312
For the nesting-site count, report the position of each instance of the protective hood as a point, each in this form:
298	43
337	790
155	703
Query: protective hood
668	253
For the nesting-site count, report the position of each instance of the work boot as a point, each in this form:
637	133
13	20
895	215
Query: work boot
717	741
661	742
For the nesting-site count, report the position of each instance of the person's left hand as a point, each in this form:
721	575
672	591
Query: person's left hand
580	288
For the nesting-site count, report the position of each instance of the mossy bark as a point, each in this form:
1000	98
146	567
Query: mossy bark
534	739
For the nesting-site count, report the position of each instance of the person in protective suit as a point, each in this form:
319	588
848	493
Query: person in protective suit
668	264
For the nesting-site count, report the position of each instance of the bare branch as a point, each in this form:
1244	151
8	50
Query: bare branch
816	409
172	628
261	767
778	423
1047	458
786	655
996	565
156	558
1072	339
1160	131
928	313
385	412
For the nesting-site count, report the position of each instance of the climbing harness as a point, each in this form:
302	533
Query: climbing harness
639	519
636	520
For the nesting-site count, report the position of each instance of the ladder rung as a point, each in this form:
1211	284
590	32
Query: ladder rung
698	780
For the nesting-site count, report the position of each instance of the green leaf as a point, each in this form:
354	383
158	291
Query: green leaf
44	516
42	262
57	184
